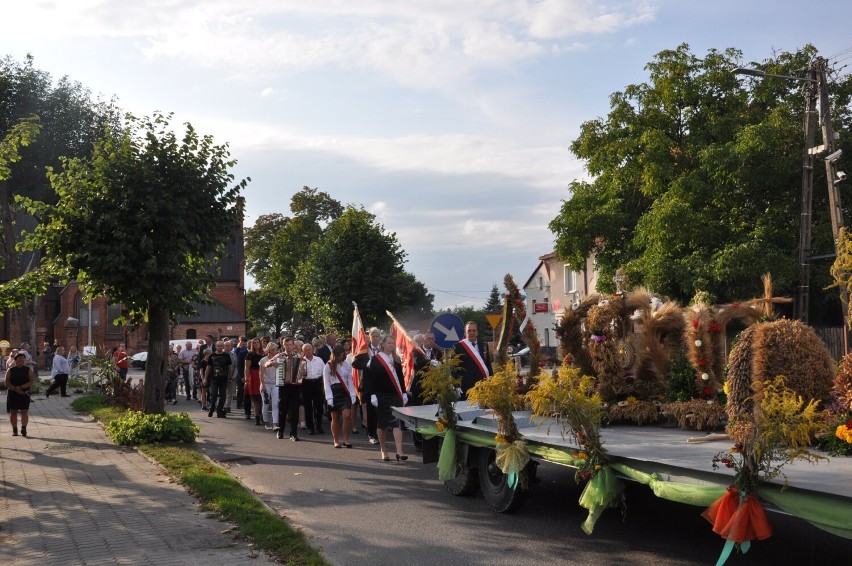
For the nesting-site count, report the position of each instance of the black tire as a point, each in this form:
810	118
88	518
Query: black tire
466	481
494	483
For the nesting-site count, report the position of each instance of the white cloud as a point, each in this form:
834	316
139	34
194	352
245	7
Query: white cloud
267	92
419	43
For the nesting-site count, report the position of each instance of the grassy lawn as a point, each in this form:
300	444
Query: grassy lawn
220	492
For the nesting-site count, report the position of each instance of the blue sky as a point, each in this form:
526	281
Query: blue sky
449	119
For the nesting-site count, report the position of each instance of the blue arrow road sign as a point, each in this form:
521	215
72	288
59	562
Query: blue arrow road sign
448	329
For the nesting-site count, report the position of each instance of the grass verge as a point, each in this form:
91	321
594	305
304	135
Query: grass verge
220	492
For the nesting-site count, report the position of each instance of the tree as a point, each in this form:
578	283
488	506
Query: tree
70	120
20	135
355	260
494	304
117	231
274	247
696	179
267	311
260	240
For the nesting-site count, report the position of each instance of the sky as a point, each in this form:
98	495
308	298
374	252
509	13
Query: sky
450	120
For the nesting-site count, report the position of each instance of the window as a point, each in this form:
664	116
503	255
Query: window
83	313
570	280
541	283
190	334
113	313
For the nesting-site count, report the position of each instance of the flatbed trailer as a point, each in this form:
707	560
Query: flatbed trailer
676	464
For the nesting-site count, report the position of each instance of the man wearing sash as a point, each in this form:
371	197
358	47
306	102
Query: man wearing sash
474	358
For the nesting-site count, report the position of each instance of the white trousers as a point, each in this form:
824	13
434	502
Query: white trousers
272	391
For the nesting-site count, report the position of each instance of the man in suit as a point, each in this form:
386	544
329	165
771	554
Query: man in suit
474	358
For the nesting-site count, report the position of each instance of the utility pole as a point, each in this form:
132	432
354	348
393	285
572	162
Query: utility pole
806	220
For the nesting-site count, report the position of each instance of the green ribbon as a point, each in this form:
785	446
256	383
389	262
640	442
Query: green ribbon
447	459
821	510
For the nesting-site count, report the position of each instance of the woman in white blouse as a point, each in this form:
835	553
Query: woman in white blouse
267	379
339	394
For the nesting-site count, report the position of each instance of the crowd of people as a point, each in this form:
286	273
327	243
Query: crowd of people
281	385
293	387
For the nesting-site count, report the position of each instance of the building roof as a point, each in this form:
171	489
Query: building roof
217	312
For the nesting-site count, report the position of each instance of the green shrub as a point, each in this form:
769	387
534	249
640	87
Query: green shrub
135	427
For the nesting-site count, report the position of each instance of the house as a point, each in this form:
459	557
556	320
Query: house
552	287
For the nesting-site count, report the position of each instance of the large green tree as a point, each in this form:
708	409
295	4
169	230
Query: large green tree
71	119
117	231
696	178
275	246
356	260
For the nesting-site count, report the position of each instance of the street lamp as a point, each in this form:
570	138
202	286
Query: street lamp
761	74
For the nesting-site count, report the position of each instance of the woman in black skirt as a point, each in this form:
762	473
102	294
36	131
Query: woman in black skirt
383	385
19	380
339	394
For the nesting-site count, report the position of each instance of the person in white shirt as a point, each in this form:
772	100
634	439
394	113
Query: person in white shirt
339	394
267	377
59	372
185	360
312	390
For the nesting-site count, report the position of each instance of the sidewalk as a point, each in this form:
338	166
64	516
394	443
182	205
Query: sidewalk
70	496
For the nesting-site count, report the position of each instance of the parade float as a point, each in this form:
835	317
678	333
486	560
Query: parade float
641	376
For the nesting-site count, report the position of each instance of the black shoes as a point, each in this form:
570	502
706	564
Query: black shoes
320	430
210	413
221	415
23	431
347	445
294	438
401	457
279	434
14	431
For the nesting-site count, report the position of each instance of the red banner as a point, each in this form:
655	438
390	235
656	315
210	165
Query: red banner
541	307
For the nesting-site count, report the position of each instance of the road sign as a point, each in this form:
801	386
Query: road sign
448	329
493	320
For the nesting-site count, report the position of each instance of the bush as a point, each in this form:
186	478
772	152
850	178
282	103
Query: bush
135	427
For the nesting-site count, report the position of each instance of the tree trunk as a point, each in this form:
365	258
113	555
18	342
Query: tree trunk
153	399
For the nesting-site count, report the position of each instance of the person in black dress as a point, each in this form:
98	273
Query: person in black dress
384	386
19	380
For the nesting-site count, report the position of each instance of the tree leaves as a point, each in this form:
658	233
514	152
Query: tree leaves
697	178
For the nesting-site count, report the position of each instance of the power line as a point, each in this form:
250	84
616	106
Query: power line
457	293
839	53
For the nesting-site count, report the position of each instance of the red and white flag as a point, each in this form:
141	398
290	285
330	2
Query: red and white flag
405	347
359	345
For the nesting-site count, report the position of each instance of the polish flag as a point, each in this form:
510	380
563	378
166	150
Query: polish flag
405	347
359	345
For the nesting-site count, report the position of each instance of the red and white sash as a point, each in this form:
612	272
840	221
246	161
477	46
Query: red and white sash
474	354
391	374
340	380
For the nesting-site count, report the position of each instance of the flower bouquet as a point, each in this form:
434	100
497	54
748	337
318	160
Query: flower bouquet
499	394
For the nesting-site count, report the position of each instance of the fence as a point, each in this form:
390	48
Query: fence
833	338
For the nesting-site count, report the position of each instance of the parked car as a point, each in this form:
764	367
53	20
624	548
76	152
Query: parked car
139	360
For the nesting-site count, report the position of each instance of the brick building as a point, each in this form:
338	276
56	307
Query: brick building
63	315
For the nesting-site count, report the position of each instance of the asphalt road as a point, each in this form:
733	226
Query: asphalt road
357	508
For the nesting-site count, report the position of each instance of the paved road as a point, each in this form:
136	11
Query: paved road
357	508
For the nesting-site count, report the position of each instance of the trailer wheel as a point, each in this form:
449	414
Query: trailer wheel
466	481
494	483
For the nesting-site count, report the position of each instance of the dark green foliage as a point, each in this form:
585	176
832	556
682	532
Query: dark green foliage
697	178
681	378
135	427
356	260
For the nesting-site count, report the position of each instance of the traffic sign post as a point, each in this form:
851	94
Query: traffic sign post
448	329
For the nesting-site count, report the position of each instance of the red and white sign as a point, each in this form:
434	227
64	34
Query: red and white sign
541	307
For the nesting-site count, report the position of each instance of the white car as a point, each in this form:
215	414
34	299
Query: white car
139	360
